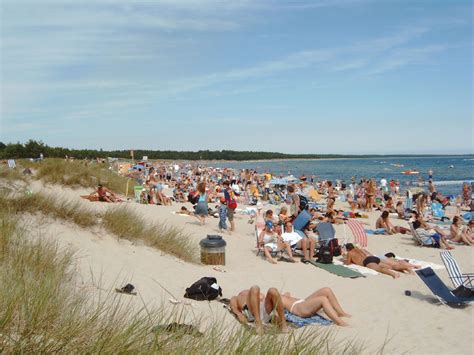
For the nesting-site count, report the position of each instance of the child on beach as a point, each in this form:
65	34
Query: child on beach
222	215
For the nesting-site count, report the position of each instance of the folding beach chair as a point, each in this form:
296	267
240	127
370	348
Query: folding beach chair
416	238
439	289
260	249
455	274
326	232
357	229
138	192
11	163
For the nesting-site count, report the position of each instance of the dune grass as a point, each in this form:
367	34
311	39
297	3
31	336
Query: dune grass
127	224
42	310
78	174
68	210
120	221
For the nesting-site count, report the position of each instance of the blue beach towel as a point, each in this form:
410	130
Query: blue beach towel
301	322
379	231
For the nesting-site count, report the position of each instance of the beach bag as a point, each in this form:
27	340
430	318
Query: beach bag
324	255
303	203
335	247
232	204
463	291
205	288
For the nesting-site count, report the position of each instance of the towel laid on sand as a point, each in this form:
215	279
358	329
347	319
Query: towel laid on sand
301	322
338	270
423	264
379	231
361	269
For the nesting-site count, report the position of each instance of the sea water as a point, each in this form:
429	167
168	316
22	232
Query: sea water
449	172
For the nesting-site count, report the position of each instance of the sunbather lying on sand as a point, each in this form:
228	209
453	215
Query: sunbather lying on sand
254	306
362	257
322	299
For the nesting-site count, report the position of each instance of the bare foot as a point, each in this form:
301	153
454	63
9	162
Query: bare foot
347	315
341	323
259	329
272	261
396	275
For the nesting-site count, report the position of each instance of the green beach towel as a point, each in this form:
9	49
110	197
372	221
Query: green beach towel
338	270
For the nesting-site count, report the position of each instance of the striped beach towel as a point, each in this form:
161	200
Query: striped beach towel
358	231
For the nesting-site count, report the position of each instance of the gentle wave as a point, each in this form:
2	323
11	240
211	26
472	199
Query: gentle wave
451	182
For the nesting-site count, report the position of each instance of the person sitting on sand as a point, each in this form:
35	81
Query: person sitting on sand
253	306
272	242
458	233
428	231
295	240
362	257
104	194
383	222
324	299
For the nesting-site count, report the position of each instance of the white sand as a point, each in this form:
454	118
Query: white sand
380	310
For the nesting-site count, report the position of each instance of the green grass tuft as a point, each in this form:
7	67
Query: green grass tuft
126	224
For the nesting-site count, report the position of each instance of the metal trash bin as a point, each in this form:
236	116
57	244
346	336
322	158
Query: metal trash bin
213	250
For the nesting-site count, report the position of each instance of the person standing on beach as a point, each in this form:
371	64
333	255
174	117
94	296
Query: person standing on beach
231	203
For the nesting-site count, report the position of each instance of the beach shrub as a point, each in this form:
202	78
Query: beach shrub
79	174
126	224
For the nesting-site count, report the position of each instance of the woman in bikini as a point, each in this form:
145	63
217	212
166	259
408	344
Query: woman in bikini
458	233
324	299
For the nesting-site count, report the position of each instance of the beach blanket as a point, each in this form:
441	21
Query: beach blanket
301	322
423	264
361	269
378	231
338	270
91	198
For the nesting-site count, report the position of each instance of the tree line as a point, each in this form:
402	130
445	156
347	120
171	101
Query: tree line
33	149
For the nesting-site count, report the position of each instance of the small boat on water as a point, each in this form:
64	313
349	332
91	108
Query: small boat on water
397	165
451	166
410	172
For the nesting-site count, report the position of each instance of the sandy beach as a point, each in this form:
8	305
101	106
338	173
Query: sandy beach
381	312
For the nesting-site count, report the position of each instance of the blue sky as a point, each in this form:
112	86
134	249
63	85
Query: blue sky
342	76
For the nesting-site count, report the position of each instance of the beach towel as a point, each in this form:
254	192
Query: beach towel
361	269
338	270
301	322
423	264
358	231
378	231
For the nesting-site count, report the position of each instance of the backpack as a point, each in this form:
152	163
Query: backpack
232	203
205	288
324	255
303	203
334	246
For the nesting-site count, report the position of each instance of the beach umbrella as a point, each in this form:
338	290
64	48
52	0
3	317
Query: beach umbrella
278	182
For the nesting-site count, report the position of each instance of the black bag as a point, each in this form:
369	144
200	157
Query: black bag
324	255
204	289
303	203
334	246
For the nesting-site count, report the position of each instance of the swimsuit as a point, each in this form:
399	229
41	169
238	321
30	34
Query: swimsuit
264	316
294	304
371	259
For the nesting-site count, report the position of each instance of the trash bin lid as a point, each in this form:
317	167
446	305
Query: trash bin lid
213	241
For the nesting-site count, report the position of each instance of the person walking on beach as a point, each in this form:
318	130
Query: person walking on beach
231	203
201	211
